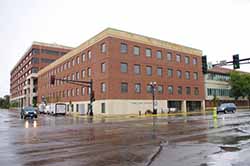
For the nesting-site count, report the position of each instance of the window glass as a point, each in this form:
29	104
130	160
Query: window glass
89	55
137	88
159	71
136	50
83	57
148	52
194	61
196	91
124	67
124	87
158	54
137	69
178	58
123	48
195	76
186	60
170	72
170	90
149	70
179	74
103	87
89	72
187	75
179	90
188	91
83	73
103	48
103	67
160	88
169	56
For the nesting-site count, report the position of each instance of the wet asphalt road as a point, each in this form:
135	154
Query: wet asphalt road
174	140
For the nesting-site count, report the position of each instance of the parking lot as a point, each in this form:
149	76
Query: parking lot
165	140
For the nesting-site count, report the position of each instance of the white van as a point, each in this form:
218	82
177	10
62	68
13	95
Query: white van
58	108
41	108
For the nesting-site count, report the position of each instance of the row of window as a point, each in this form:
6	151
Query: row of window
218	92
149	71
159	54
218	77
124	89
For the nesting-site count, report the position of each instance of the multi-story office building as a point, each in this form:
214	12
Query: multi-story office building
122	65
217	84
23	81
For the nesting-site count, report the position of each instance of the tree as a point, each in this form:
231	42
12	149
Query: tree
240	85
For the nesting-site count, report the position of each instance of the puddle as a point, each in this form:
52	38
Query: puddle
230	148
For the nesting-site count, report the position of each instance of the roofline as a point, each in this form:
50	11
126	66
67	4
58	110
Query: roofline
111	32
39	44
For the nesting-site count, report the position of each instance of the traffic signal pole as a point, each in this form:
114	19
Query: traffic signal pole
88	84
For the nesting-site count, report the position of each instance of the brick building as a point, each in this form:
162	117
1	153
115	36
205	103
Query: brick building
23	80
122	65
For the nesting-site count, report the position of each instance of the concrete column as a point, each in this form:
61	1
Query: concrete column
203	106
184	106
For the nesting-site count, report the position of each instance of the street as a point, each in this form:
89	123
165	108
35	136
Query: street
156	141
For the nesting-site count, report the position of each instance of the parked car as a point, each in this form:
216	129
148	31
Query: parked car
227	107
28	112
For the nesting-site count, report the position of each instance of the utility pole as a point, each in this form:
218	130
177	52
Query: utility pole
153	87
88	84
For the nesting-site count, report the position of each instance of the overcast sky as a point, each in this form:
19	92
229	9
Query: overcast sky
220	28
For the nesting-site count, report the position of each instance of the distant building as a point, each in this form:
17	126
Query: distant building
23	80
122	65
217	83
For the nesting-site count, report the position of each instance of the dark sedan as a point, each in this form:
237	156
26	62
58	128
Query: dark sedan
226	107
28	112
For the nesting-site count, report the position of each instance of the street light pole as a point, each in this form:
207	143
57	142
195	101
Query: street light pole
153	87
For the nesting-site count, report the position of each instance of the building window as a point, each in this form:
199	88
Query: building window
103	87
195	76
187	75
83	73
77	92
83	91
69	92
124	67
124	87
149	70
137	69
103	48
186	60
148	52
136	51
169	56
196	91
194	61
77	76
83	57
68	65
103	67
89	55
73	92
179	90
188	90
73	76
103	107
160	89
170	90
137	88
170	73
78	60
73	62
178	58
149	89
179	74
159	71
123	48
89	72
36	61
158	54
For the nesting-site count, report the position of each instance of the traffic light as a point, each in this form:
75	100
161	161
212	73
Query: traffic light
52	79
204	64
92	97
236	61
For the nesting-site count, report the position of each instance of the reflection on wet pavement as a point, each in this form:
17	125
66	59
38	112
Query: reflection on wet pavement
181	140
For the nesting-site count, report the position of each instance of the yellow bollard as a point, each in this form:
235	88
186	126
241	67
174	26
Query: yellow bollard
214	112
